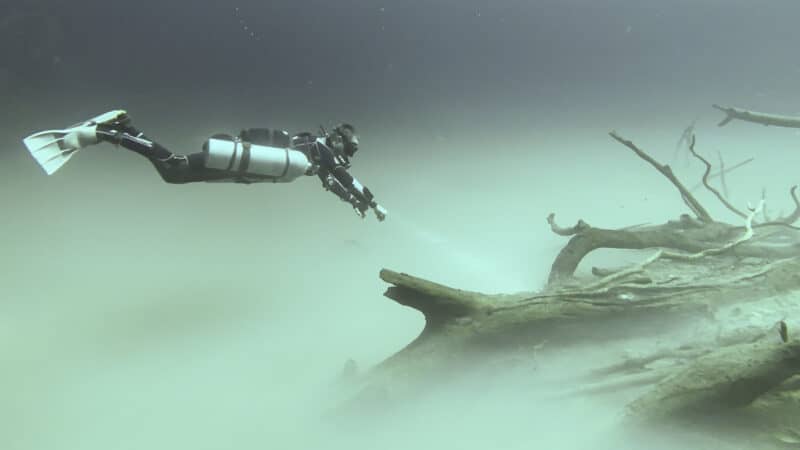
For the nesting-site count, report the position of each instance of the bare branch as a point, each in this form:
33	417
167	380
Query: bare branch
624	273
601	272
665	170
684	140
795	215
765	214
720	173
757	117
708	186
746	236
578	228
725	190
638	268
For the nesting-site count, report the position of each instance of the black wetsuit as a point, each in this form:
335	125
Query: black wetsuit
329	165
331	168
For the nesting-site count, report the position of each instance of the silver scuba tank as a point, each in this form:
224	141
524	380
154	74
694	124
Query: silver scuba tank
255	162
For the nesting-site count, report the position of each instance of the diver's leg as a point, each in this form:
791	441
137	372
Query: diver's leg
180	169
173	168
119	131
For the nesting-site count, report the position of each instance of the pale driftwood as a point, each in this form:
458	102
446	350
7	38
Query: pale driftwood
757	117
460	322
679	280
681	355
689	235
696	266
685	236
726	379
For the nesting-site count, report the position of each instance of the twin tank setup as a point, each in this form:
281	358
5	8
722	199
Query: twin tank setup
259	154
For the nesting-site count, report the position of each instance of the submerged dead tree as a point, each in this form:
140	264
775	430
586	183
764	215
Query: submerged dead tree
698	265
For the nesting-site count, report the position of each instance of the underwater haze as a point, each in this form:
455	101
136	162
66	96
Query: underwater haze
136	314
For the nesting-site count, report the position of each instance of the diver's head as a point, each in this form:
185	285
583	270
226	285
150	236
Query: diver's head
346	134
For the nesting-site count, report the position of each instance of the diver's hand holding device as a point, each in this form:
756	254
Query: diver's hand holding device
380	212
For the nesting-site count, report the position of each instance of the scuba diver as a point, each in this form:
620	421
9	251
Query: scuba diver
256	155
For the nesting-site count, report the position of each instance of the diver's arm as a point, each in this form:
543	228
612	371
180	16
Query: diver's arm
359	191
332	184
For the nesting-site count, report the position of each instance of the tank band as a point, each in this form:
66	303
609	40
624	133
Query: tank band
233	156
245	164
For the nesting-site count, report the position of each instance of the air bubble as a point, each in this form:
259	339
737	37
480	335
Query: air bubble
244	25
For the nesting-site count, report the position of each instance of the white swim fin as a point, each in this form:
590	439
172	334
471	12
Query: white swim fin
50	149
53	148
